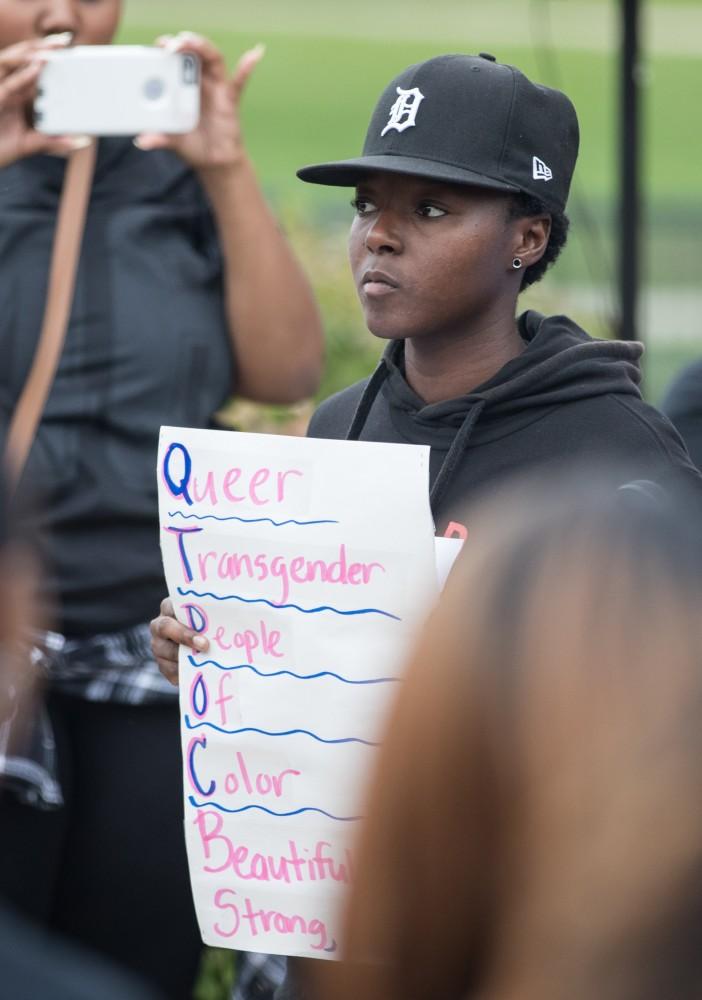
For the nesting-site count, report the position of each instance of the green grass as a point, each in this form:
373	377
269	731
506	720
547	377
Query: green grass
310	102
310	98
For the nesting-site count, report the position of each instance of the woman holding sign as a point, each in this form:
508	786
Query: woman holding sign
543	838
186	290
460	197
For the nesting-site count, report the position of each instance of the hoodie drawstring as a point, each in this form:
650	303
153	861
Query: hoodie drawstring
458	445
366	401
455	453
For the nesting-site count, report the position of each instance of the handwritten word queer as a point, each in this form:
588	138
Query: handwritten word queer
261	487
250	865
259	567
265	921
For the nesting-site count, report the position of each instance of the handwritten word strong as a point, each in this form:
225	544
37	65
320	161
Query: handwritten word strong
267	921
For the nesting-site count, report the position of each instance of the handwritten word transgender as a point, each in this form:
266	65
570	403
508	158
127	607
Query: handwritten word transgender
309	566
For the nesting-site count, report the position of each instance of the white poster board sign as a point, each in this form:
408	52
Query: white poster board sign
309	566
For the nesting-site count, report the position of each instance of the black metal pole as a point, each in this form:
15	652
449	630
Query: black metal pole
629	177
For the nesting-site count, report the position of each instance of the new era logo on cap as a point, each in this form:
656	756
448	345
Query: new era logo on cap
540	171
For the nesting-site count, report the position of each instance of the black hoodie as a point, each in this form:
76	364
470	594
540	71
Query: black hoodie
567	398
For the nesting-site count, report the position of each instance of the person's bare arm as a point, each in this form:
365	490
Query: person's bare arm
272	315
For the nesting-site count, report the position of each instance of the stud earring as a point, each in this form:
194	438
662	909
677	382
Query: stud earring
517	263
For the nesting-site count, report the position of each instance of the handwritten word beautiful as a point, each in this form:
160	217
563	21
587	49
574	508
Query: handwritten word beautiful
298	864
261	566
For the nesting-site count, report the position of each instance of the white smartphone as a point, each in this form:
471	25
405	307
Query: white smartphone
117	90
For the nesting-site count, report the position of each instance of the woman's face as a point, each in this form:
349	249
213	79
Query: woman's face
92	22
430	258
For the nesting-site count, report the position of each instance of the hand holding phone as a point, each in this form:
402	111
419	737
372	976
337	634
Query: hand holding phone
118	90
20	67
216	145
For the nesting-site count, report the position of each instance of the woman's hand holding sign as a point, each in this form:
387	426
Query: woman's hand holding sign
167	635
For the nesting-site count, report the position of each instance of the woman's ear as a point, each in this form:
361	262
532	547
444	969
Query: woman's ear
531	238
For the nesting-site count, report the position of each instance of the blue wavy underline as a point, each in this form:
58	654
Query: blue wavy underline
264	732
293	812
281	607
290	673
244	520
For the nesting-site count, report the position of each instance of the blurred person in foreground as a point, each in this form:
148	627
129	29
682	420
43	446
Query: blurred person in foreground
534	823
186	292
682	404
34	963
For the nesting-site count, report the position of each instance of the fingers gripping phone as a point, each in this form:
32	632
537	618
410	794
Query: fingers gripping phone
117	90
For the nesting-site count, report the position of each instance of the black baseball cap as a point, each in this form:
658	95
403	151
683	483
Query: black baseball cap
467	120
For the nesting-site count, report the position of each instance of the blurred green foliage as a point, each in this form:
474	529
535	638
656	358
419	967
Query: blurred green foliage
352	352
216	975
310	98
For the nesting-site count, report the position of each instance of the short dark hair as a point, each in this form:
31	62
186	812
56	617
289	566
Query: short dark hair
521	207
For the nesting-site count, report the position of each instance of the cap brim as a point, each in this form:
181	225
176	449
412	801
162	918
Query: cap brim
347	173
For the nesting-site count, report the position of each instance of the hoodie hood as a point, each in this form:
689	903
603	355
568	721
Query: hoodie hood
560	364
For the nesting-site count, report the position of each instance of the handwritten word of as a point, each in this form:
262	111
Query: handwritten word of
265	921
250	865
261	487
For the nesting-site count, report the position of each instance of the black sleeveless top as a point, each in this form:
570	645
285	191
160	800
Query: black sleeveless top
147	345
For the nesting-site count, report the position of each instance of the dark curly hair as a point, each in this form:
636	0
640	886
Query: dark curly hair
521	207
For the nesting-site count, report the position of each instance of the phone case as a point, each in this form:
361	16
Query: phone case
117	90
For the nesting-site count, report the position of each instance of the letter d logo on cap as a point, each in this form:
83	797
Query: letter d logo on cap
403	113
